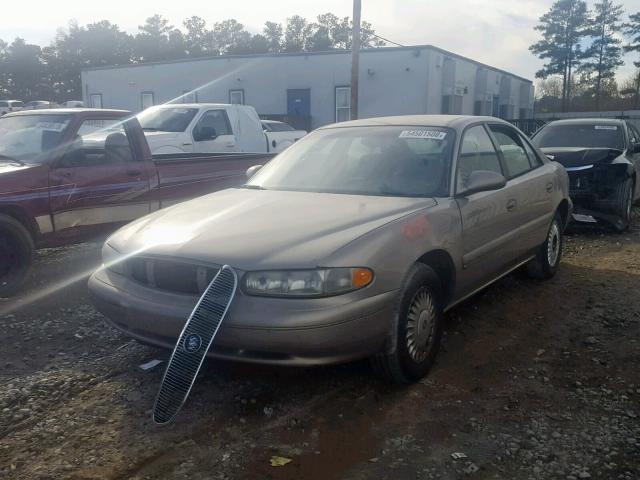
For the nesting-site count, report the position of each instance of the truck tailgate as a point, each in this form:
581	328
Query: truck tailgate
185	176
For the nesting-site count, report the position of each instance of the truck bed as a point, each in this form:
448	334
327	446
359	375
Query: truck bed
184	176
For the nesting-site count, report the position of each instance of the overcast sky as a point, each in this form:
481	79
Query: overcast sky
496	32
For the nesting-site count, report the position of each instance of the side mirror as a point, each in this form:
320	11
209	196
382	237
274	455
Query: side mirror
251	171
635	148
205	133
484	181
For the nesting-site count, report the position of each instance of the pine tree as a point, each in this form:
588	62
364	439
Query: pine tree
563	27
632	30
604	55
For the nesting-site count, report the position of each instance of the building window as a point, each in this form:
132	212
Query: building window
95	99
190	96
343	104
147	100
236	97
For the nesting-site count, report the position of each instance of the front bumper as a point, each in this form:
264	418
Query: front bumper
298	332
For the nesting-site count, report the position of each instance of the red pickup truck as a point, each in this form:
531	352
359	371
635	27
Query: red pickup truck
69	175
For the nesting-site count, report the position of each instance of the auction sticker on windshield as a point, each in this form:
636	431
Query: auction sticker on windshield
431	134
606	127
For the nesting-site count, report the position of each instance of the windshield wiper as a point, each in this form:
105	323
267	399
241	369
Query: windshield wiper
11	159
252	187
150	129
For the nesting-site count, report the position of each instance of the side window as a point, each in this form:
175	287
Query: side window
212	124
97	143
512	149
476	153
534	160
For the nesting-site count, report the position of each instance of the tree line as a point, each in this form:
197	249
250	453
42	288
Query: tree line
52	72
583	49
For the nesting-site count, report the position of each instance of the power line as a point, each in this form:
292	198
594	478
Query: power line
386	39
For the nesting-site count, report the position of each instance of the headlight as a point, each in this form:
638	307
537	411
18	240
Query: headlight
112	259
307	283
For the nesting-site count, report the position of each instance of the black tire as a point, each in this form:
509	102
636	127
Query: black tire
16	255
623	204
415	351
547	260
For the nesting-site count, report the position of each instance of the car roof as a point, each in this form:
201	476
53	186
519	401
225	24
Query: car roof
58	111
587	121
449	121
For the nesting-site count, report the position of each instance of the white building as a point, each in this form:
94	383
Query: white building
314	87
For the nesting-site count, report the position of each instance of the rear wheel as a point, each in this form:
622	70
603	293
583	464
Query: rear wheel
419	329
623	203
547	259
16	255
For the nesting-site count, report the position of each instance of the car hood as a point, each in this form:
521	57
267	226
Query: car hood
571	157
16	178
261	229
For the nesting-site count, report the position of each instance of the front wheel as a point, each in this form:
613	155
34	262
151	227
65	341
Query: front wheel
547	260
623	203
16	255
418	332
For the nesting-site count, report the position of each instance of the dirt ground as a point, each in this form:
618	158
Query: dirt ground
534	381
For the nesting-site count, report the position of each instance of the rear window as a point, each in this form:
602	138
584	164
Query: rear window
280	127
591	135
166	119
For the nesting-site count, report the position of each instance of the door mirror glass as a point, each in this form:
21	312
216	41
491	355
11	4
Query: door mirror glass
205	133
251	171
484	181
635	148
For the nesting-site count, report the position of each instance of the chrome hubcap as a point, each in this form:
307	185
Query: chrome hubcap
420	325
553	244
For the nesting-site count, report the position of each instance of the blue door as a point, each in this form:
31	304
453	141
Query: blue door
299	102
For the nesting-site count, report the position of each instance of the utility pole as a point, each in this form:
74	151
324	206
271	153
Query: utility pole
355	58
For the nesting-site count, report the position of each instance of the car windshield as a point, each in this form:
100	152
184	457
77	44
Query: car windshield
591	135
166	119
384	160
27	138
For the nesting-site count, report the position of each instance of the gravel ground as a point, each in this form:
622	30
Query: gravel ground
534	381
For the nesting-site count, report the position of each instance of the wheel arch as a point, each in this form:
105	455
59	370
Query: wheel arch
563	210
442	263
19	214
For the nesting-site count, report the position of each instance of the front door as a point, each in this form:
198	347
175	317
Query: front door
299	102
99	181
213	133
486	216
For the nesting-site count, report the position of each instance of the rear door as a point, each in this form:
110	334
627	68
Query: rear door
487	221
531	184
213	133
99	180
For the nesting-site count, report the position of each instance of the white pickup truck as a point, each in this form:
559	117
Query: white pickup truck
209	128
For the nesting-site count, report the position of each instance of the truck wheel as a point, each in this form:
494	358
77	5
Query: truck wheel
419	329
623	203
547	259
16	255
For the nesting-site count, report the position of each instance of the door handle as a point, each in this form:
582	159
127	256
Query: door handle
186	144
230	144
549	187
511	205
134	173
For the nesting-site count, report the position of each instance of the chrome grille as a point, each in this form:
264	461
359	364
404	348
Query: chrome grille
170	275
193	345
